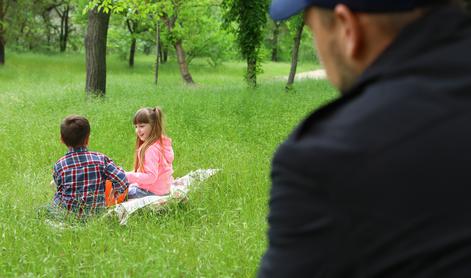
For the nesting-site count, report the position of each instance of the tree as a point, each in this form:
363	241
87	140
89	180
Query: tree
165	10
204	17
63	13
170	18
39	24
158	55
163	53
132	28
299	23
135	24
250	18
274	41
169	12
62	8
4	5
45	14
95	51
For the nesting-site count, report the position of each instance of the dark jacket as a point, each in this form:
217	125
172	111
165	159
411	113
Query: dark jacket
378	183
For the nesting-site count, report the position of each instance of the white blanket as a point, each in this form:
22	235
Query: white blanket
178	191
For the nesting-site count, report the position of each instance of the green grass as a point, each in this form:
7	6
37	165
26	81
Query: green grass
219	123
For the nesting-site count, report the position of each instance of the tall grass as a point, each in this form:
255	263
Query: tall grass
219	123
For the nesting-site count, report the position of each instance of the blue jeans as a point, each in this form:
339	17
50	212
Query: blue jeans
135	192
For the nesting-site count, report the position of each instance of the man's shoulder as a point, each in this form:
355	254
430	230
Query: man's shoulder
381	115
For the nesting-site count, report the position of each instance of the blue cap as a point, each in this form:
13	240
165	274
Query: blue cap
283	9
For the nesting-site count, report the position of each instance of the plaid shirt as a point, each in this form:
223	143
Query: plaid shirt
80	178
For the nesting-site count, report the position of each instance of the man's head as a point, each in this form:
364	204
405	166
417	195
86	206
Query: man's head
75	131
350	34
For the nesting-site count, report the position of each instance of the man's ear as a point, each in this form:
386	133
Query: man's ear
62	140
350	31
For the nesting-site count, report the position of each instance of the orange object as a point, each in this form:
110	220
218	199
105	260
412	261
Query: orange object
111	199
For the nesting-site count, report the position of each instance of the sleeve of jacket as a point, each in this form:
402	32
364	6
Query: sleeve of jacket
299	219
116	175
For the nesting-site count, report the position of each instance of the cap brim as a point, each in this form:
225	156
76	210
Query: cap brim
284	9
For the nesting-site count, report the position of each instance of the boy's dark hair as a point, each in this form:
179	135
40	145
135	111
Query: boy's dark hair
75	130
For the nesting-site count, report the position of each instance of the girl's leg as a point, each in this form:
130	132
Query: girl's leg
137	192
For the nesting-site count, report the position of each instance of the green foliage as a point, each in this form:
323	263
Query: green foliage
202	17
140	10
286	38
118	38
35	25
209	29
220	232
250	18
306	49
105	6
200	25
22	26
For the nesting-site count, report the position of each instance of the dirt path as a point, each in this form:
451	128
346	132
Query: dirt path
315	74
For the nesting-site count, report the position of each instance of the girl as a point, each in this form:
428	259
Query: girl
153	156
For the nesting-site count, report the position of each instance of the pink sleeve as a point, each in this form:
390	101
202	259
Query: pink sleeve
150	174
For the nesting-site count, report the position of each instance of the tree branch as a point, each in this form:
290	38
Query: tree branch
128	23
61	15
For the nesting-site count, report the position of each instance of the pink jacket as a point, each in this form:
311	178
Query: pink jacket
158	168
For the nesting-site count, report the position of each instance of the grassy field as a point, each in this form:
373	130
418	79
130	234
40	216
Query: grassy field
219	123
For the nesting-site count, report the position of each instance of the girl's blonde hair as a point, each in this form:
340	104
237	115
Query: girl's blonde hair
154	117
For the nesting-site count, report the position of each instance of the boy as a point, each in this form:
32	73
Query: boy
80	175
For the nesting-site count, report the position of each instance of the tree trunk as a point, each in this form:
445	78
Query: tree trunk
64	36
47	25
2	49
294	55
3	11
147	49
164	57
185	73
64	28
95	52
252	71
274	50
49	36
132	52
157	52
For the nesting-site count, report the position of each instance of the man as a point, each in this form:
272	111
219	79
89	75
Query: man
378	182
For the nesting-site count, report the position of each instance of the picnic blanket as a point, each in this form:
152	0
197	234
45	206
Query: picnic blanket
178	192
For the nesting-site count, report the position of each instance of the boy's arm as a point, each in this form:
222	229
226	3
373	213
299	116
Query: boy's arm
117	176
57	179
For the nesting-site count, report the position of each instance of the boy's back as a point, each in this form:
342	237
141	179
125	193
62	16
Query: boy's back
80	177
